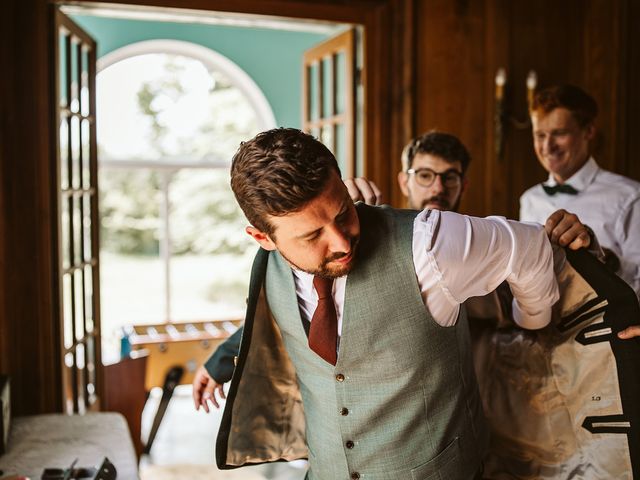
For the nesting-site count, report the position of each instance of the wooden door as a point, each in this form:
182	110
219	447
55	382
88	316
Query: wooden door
329	97
77	215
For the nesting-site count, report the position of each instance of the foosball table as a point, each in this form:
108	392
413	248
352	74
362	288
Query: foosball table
174	353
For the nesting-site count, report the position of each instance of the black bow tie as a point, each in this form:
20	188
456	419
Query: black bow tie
561	187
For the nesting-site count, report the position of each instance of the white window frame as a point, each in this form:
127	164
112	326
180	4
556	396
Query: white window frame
167	168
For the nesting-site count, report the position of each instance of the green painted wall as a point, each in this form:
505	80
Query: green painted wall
272	58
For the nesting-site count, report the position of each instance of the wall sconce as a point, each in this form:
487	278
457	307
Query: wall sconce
501	117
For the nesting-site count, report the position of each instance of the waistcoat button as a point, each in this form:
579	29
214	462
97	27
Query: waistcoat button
344	411
349	444
340	377
355	475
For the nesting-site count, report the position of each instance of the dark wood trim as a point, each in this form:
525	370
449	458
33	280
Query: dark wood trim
403	95
495	195
329	10
27	276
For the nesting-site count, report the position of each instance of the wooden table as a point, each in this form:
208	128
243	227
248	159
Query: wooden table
56	440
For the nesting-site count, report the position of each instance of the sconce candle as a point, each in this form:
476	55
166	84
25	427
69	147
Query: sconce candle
501	79
499	113
532	82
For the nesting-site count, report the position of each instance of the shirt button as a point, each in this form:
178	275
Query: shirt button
344	412
355	476
349	444
340	377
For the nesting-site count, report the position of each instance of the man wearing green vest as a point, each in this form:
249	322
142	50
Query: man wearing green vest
355	351
433	175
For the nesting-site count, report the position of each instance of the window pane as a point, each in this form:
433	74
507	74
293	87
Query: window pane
327	87
75	152
67	300
77	229
74	76
62	45
91	370
79	303
86	154
313	92
80	363
88	298
172	110
64	153
66	234
86	220
327	136
340	82
211	255
84	92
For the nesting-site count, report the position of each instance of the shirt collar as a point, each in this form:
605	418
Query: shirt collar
582	178
304	280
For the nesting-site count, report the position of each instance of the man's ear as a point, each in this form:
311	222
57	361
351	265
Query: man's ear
465	184
403	179
262	238
591	131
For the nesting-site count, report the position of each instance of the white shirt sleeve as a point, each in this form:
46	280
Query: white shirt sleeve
457	257
628	231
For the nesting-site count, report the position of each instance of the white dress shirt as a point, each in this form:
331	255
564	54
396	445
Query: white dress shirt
608	203
457	257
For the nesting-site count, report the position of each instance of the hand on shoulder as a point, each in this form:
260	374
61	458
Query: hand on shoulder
566	229
363	189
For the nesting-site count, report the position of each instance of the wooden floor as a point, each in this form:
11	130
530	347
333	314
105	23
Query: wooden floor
184	446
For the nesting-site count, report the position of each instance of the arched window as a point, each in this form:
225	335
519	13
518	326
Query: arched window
171	114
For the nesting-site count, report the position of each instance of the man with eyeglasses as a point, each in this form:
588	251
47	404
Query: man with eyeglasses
433	171
433	174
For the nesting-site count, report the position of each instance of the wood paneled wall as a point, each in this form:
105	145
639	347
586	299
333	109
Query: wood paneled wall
28	331
462	43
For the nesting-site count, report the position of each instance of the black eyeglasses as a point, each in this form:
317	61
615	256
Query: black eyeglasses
425	176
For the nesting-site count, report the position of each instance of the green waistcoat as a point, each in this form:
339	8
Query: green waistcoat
402	400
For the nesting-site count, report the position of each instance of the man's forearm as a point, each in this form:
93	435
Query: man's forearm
221	364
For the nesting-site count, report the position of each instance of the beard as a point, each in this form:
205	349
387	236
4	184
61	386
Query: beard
328	271
442	202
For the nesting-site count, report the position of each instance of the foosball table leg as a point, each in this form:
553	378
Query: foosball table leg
171	380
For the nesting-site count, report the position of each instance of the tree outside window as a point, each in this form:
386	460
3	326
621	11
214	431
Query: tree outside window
173	247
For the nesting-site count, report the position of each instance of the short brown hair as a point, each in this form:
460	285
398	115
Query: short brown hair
278	172
439	144
581	105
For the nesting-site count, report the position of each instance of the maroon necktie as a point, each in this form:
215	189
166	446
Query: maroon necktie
323	334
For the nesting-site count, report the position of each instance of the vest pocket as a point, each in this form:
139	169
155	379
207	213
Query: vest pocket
436	468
